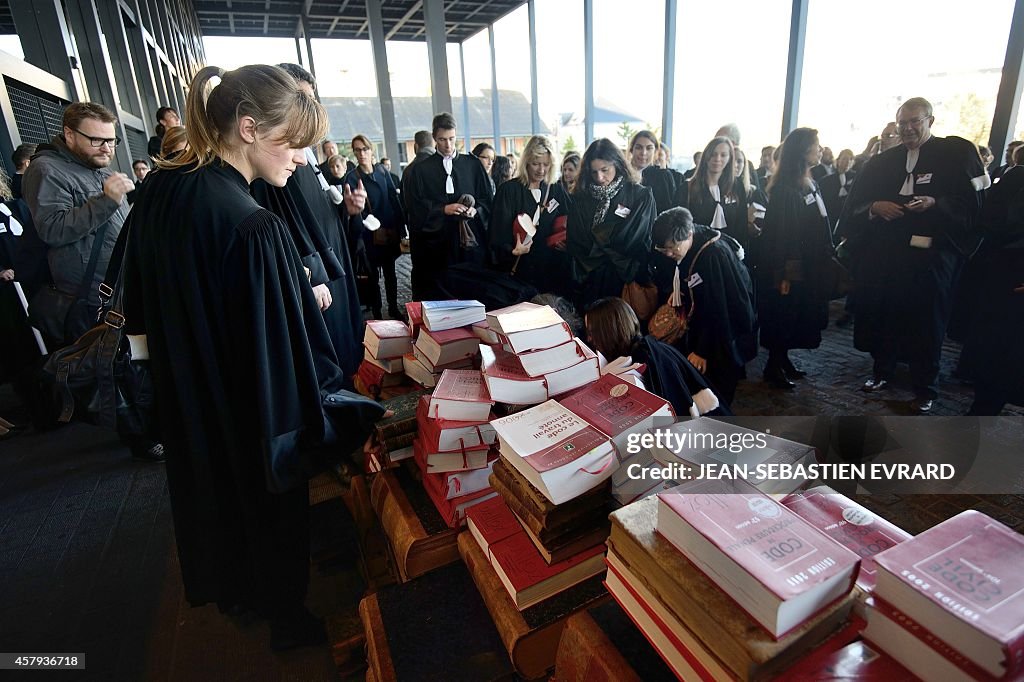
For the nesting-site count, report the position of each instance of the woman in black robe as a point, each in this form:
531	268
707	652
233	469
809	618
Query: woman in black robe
698	271
241	359
836	187
757	206
383	208
570	172
795	252
609	230
537	199
713	194
643	151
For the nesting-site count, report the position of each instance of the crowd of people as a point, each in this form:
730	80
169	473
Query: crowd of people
244	261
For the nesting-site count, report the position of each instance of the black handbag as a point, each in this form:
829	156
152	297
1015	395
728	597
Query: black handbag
94	377
59	316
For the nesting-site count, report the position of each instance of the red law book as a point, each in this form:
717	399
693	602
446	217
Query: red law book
559	453
414	311
849	524
458	483
440	435
523	229
508	382
375	378
527	577
962	580
461	394
918	649
387	338
556	239
455	460
771	562
447	346
454	511
617	407
858	661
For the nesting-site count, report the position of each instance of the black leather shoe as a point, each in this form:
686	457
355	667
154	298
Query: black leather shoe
791	370
776	378
874	384
922	405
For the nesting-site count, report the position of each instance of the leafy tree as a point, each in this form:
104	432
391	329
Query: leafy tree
570	145
626	132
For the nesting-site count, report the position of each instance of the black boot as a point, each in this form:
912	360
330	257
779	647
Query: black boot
776	377
791	370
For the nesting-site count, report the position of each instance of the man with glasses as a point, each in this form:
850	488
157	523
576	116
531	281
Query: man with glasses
76	199
912	224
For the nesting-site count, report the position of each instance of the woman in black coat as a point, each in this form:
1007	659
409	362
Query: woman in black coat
714	195
643	152
609	232
795	250
534	198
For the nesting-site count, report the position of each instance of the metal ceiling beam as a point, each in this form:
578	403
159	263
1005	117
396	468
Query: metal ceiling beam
401	22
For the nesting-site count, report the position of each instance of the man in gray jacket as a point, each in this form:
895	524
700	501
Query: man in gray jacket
72	194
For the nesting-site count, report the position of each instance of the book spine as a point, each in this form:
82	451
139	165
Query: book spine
585	653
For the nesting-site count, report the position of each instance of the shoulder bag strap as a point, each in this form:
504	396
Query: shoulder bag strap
94	257
693	264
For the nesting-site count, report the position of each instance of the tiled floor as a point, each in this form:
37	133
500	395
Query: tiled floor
88	564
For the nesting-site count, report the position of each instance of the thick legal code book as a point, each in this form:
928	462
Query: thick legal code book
557	452
858	661
414	311
522	317
535	339
617	407
530	636
539	513
390	365
775	565
464	363
439	435
850	524
728	633
458	483
418	372
456	460
454	510
420	539
446	347
441	315
375	379
524	573
963	580
387	338
537	363
508	382
483	331
461	394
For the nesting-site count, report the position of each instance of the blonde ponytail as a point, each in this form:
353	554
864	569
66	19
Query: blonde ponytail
266	93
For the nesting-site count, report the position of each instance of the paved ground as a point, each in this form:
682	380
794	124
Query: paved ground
88	564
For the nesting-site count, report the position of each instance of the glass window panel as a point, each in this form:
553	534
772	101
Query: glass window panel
730	72
629	66
953	57
232	52
512	56
477	51
560	70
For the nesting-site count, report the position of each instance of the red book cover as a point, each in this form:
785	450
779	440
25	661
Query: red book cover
493	521
453	511
471	457
460	386
969	567
613	405
548	436
388	329
558	234
879	608
523	229
524	566
446	336
857	661
775	546
431	432
414	311
849	524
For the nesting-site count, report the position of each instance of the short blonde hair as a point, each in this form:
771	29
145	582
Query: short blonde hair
538	146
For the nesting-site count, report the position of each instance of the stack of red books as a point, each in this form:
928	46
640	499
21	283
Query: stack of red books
439	346
535	355
384	344
453	443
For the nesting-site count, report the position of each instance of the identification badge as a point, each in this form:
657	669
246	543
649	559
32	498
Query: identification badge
730	200
552	205
622	211
923	178
920	242
694	280
809	199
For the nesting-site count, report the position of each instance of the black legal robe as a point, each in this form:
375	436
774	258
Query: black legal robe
734	207
723	326
320	231
830	187
904	289
241	361
546	268
796	246
434	236
615	252
663	185
670	375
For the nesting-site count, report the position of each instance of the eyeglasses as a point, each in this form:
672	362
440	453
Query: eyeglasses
360	150
901	125
99	141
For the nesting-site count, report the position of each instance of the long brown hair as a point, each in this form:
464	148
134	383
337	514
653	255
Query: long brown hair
726	182
793	165
266	93
612	326
605	150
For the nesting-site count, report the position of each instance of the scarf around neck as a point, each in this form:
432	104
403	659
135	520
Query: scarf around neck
604	198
